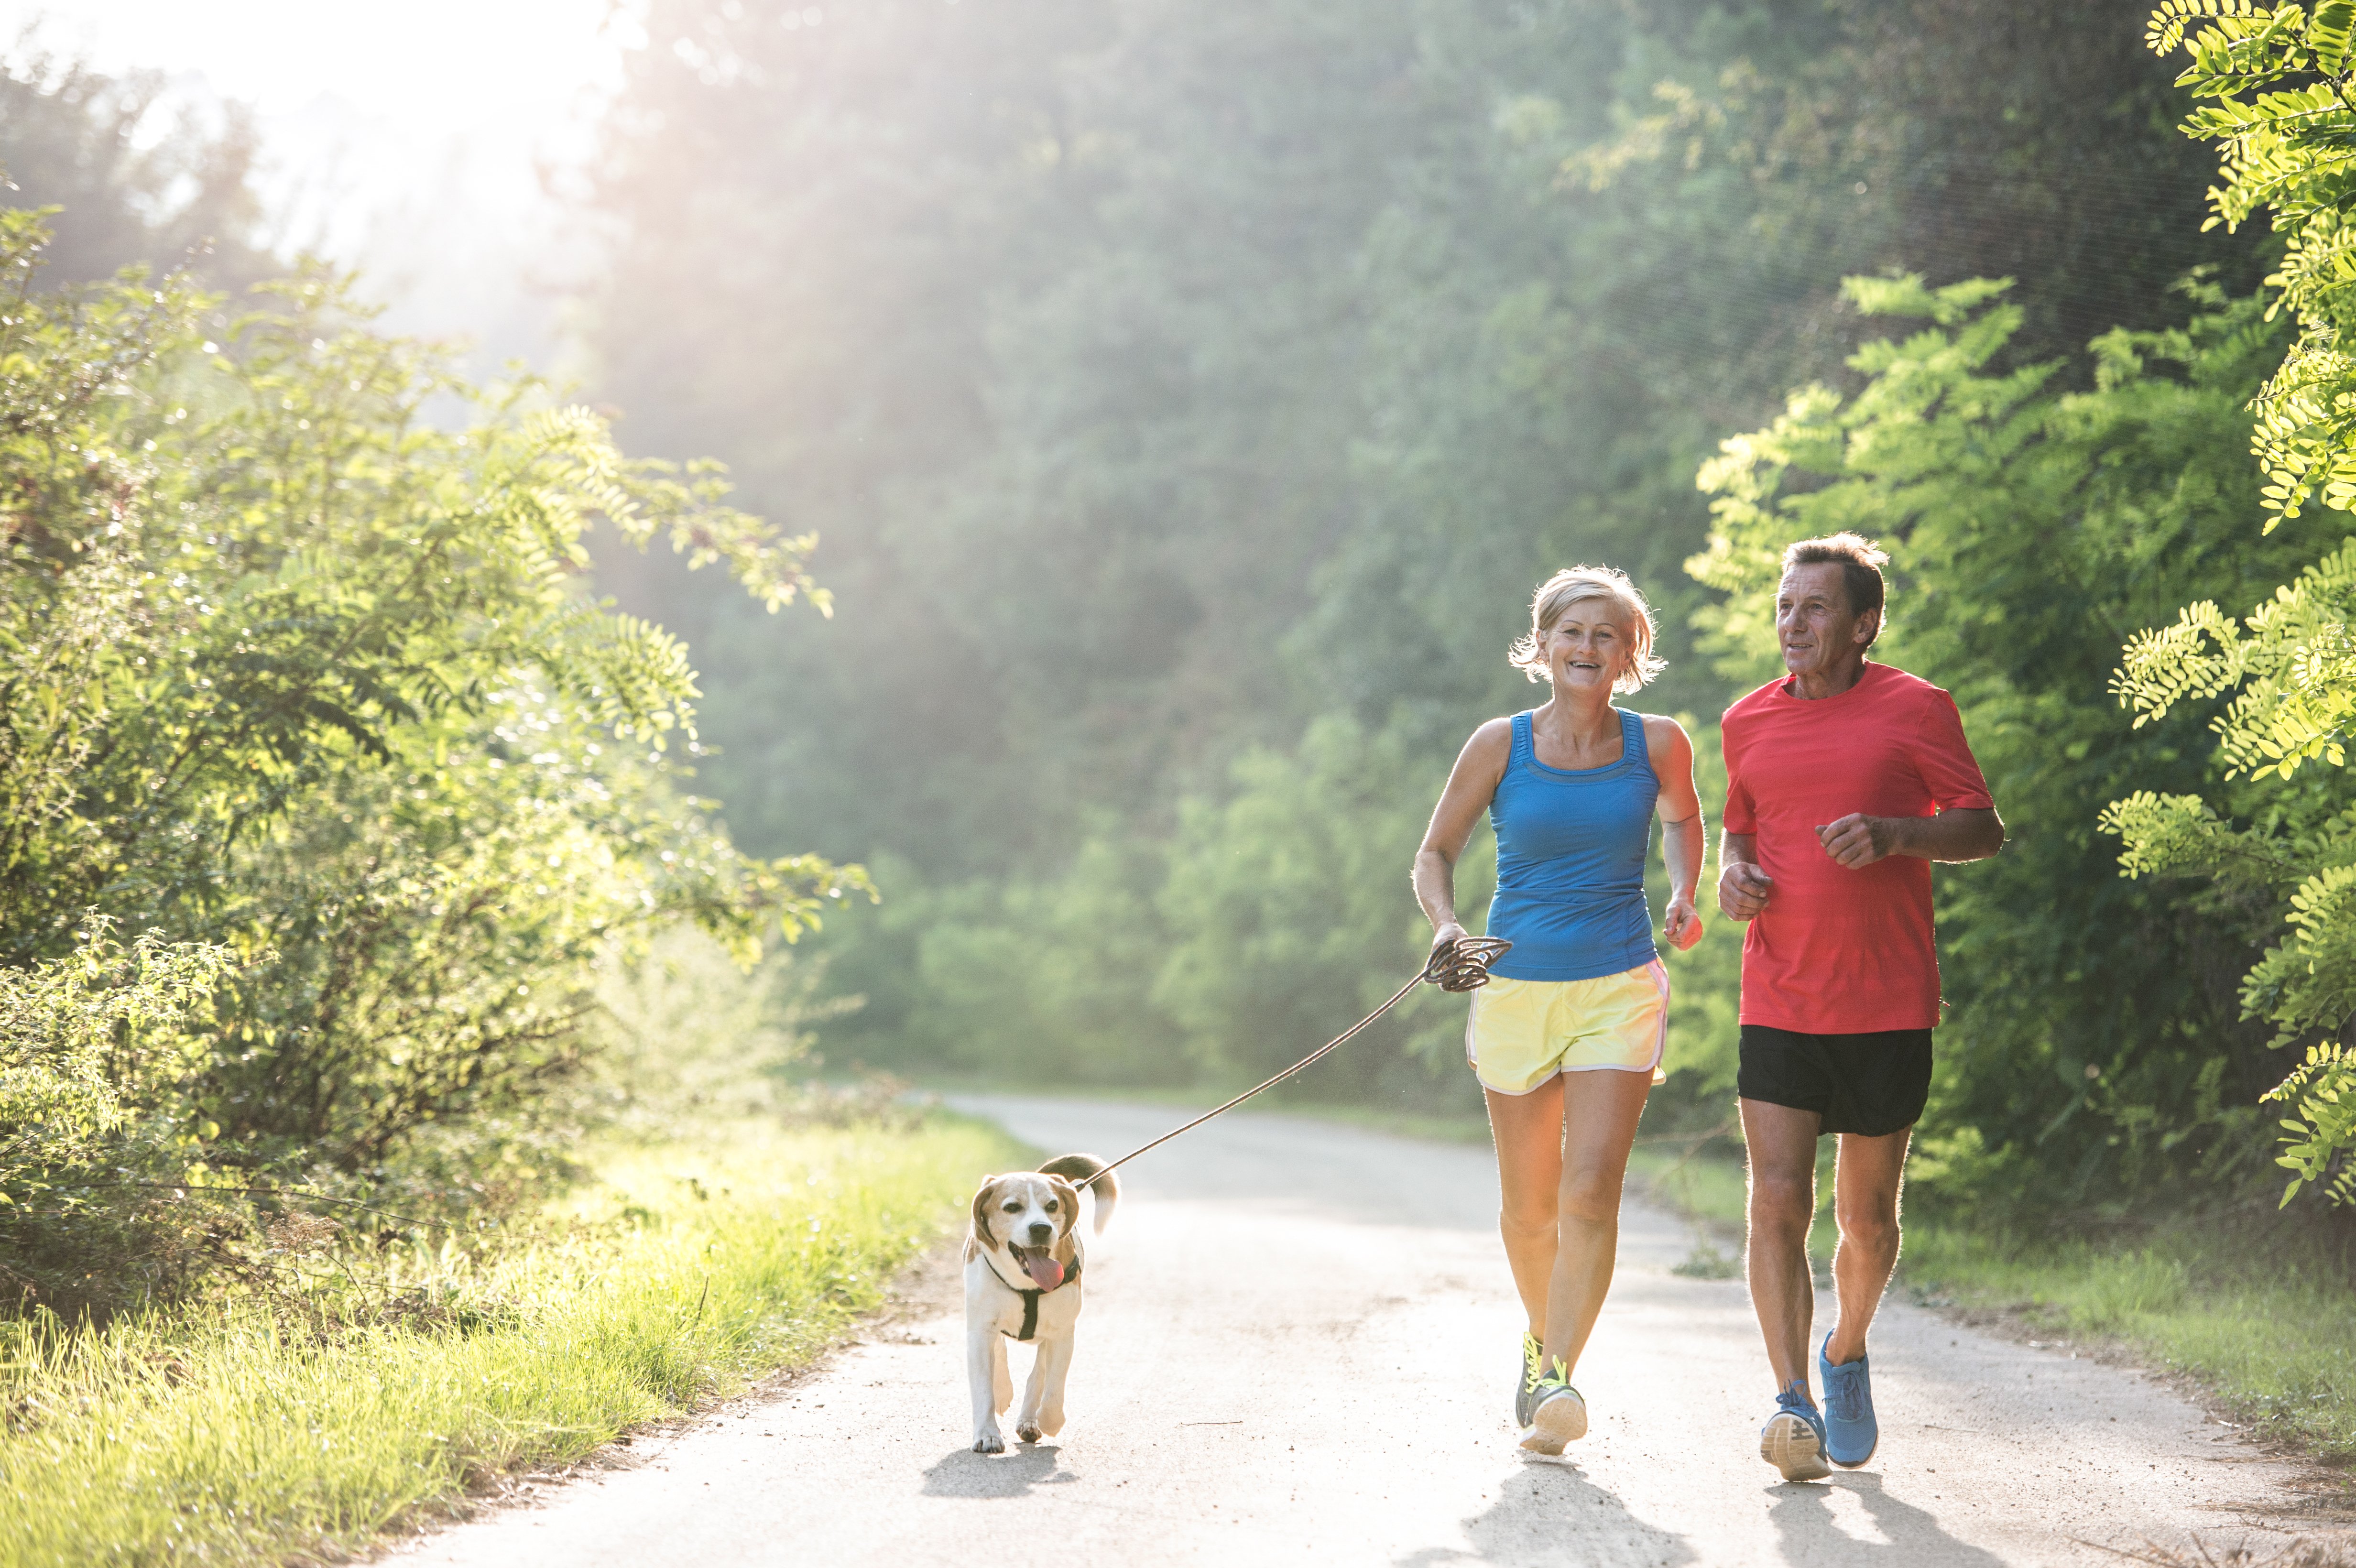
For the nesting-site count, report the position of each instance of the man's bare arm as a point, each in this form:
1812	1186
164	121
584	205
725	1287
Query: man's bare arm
1743	887
1856	840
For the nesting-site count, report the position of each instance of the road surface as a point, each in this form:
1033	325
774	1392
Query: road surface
1299	1346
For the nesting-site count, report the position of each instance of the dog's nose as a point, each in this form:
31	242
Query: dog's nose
1040	1234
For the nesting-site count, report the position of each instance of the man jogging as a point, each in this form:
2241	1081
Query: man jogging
1845	780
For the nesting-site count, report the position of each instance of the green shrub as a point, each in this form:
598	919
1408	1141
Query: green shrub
290	672
2093	1045
94	1049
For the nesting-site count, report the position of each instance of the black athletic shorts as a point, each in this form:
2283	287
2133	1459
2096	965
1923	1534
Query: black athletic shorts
1871	1084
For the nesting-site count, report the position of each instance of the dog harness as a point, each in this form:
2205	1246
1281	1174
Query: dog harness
1031	1299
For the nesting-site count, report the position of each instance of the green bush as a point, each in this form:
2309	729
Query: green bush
292	673
2093	1048
95	1048
2272	83
1289	914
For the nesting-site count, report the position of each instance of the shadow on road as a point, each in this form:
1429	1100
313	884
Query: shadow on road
962	1473
1807	1529
1547	1512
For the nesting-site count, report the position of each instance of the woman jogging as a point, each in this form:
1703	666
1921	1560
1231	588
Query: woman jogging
1567	1037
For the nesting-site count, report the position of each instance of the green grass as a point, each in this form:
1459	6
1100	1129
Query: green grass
1705	1187
240	1433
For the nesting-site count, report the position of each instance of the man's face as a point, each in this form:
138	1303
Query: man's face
1813	622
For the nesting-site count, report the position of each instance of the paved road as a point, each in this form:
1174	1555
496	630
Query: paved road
1298	1348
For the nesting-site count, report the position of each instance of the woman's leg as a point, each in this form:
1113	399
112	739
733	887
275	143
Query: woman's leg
1600	1112
1528	1131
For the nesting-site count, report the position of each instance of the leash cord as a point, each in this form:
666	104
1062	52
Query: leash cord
1461	965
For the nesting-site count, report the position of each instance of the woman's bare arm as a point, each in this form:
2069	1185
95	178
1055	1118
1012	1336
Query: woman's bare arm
1471	785
1684	841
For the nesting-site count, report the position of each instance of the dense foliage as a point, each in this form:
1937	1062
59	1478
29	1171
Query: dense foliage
135	175
1188	398
2273	86
2093	1049
310	689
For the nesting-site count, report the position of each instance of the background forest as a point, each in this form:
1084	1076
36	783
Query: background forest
1186	399
1029	501
1177	405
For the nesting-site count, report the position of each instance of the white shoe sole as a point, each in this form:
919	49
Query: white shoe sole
1789	1443
1559	1419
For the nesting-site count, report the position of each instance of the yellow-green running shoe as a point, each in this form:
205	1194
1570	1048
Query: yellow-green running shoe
1525	1387
1558	1415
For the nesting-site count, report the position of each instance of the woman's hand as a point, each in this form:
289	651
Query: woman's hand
1682	929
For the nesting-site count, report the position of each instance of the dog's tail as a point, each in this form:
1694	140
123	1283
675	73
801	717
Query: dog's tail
1087	1170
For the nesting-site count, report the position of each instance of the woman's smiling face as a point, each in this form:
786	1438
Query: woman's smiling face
1586	647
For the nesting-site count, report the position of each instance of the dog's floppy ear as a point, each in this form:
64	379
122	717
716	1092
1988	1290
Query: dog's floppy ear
1067	1196
981	1201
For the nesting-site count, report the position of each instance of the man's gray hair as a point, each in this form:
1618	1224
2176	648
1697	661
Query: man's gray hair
1860	561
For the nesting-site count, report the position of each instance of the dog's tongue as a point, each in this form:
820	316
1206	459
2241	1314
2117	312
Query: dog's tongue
1044	1271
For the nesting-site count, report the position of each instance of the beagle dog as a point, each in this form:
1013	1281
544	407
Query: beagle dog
1022	1262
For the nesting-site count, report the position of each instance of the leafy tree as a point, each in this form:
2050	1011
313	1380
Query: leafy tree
2091	1053
134	178
2272	85
286	671
1168	382
1286	921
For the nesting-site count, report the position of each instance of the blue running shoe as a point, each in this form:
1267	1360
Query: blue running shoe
1850	1434
1793	1438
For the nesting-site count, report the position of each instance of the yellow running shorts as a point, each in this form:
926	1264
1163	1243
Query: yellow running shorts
1523	1032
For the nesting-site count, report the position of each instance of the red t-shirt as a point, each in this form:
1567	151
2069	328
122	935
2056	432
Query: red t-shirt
1836	951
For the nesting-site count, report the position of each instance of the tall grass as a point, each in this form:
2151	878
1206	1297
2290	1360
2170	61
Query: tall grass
245	1431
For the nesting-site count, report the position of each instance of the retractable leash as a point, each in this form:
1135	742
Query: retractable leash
1461	965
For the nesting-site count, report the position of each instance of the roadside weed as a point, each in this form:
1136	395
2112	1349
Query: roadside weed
236	1434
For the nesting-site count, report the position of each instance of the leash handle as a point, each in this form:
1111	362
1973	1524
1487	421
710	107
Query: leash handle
1461	966
1463	963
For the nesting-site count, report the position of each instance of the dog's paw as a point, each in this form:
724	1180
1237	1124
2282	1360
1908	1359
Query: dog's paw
1028	1431
989	1442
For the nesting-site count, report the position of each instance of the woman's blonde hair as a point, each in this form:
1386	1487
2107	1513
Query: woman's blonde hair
1567	587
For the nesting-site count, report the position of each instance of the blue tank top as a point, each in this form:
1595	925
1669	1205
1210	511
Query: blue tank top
1570	860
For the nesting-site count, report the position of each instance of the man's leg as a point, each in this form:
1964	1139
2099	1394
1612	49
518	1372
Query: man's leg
1781	1142
1866	1180
1528	1131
